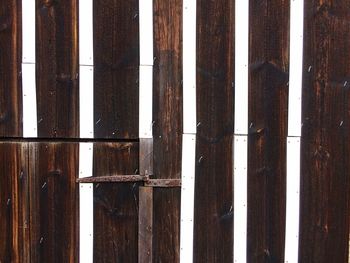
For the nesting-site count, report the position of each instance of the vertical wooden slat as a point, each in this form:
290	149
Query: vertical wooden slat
115	205
213	222
167	128
57	68
10	57
145	235
116	60
324	224
53	202
267	128
14	207
167	110
166	224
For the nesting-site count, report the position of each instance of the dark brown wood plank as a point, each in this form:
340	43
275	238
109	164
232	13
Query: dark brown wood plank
213	216
167	88
146	157
116	59
53	202
14	206
324	225
166	224
213	222
268	106
10	59
115	205
57	68
145	224
167	128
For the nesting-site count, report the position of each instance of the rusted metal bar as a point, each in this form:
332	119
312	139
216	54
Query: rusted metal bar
163	183
132	178
112	179
145	224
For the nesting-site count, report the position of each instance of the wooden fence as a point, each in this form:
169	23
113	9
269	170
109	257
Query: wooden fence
174	131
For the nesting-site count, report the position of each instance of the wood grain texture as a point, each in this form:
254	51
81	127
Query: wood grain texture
268	107
167	88
167	128
145	226
53	202
10	61
115	205
213	222
57	68
116	59
325	151
14	203
166	224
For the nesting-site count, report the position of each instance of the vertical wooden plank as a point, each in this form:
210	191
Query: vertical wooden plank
22	195
167	128
115	205
267	122
167	98
14	207
166	224
10	57
213	222
324	224
145	235
57	68
53	202
116	60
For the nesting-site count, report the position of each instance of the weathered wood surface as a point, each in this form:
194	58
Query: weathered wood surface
115	205
116	60
267	122
57	68
14	203
166	224
167	90
145	226
325	135
10	68
213	221
167	128
53	202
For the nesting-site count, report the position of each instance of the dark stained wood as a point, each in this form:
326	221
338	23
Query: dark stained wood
213	217
213	223
145	224
167	128
167	88
324	225
22	196
268	107
57	68
115	205
146	156
53	202
116	59
10	59
166	224
14	207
